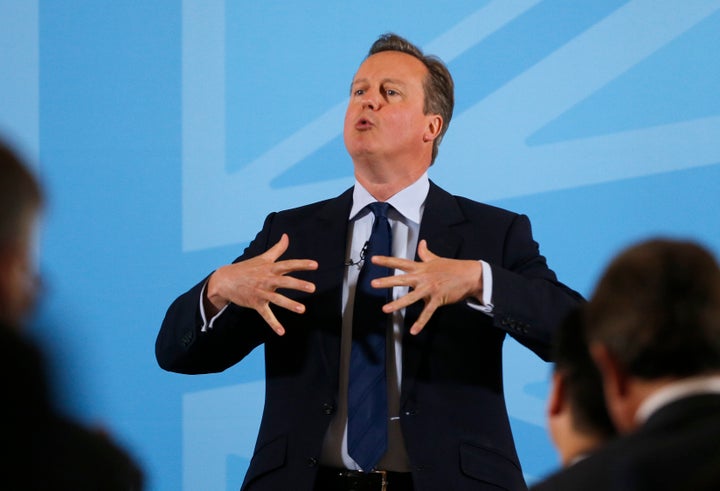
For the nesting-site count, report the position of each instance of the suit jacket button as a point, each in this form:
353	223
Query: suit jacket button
312	462
328	408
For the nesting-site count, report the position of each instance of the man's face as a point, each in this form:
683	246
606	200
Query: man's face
385	117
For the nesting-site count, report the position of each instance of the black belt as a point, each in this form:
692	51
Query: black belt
332	479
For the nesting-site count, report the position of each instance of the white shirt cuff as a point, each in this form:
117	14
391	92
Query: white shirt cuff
206	326
487	306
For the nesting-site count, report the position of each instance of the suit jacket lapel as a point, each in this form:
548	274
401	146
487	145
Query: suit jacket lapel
441	214
331	233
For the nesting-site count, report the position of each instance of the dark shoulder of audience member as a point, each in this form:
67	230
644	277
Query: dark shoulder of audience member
42	448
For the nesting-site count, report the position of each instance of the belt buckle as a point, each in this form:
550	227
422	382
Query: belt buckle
383	479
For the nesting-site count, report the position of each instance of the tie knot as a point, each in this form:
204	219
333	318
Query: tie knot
379	209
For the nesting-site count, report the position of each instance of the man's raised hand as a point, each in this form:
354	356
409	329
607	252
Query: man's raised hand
253	283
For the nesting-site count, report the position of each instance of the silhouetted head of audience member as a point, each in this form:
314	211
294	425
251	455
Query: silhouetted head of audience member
578	419
21	202
654	319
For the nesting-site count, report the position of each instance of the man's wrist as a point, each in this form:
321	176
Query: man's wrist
212	300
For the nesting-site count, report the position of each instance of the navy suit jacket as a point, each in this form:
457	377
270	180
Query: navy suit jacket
678	448
453	413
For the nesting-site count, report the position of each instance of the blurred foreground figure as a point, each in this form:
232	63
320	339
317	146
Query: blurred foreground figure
42	450
653	329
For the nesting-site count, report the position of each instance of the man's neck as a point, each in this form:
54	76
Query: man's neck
580	447
385	182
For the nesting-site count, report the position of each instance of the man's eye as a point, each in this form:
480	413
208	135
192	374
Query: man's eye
358	92
391	92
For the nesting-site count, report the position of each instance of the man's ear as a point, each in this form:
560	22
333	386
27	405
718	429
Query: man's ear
433	128
12	292
615	378
619	388
556	400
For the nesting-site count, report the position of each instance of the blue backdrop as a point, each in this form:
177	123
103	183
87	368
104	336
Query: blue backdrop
165	131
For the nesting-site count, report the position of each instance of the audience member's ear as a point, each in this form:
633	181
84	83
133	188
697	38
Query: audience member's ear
614	376
16	294
616	385
8	285
557	394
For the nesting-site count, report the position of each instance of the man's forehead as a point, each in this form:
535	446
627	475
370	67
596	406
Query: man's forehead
393	66
385	80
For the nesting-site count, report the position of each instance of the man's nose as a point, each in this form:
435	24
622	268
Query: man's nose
371	101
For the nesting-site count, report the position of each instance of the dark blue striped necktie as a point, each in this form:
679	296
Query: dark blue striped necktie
367	386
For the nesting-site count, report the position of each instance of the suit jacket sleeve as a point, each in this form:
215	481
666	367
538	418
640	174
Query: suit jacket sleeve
182	347
529	301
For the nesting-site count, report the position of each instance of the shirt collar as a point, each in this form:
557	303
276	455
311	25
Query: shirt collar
409	202
675	391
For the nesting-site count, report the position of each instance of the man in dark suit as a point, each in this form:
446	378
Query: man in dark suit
653	328
471	274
